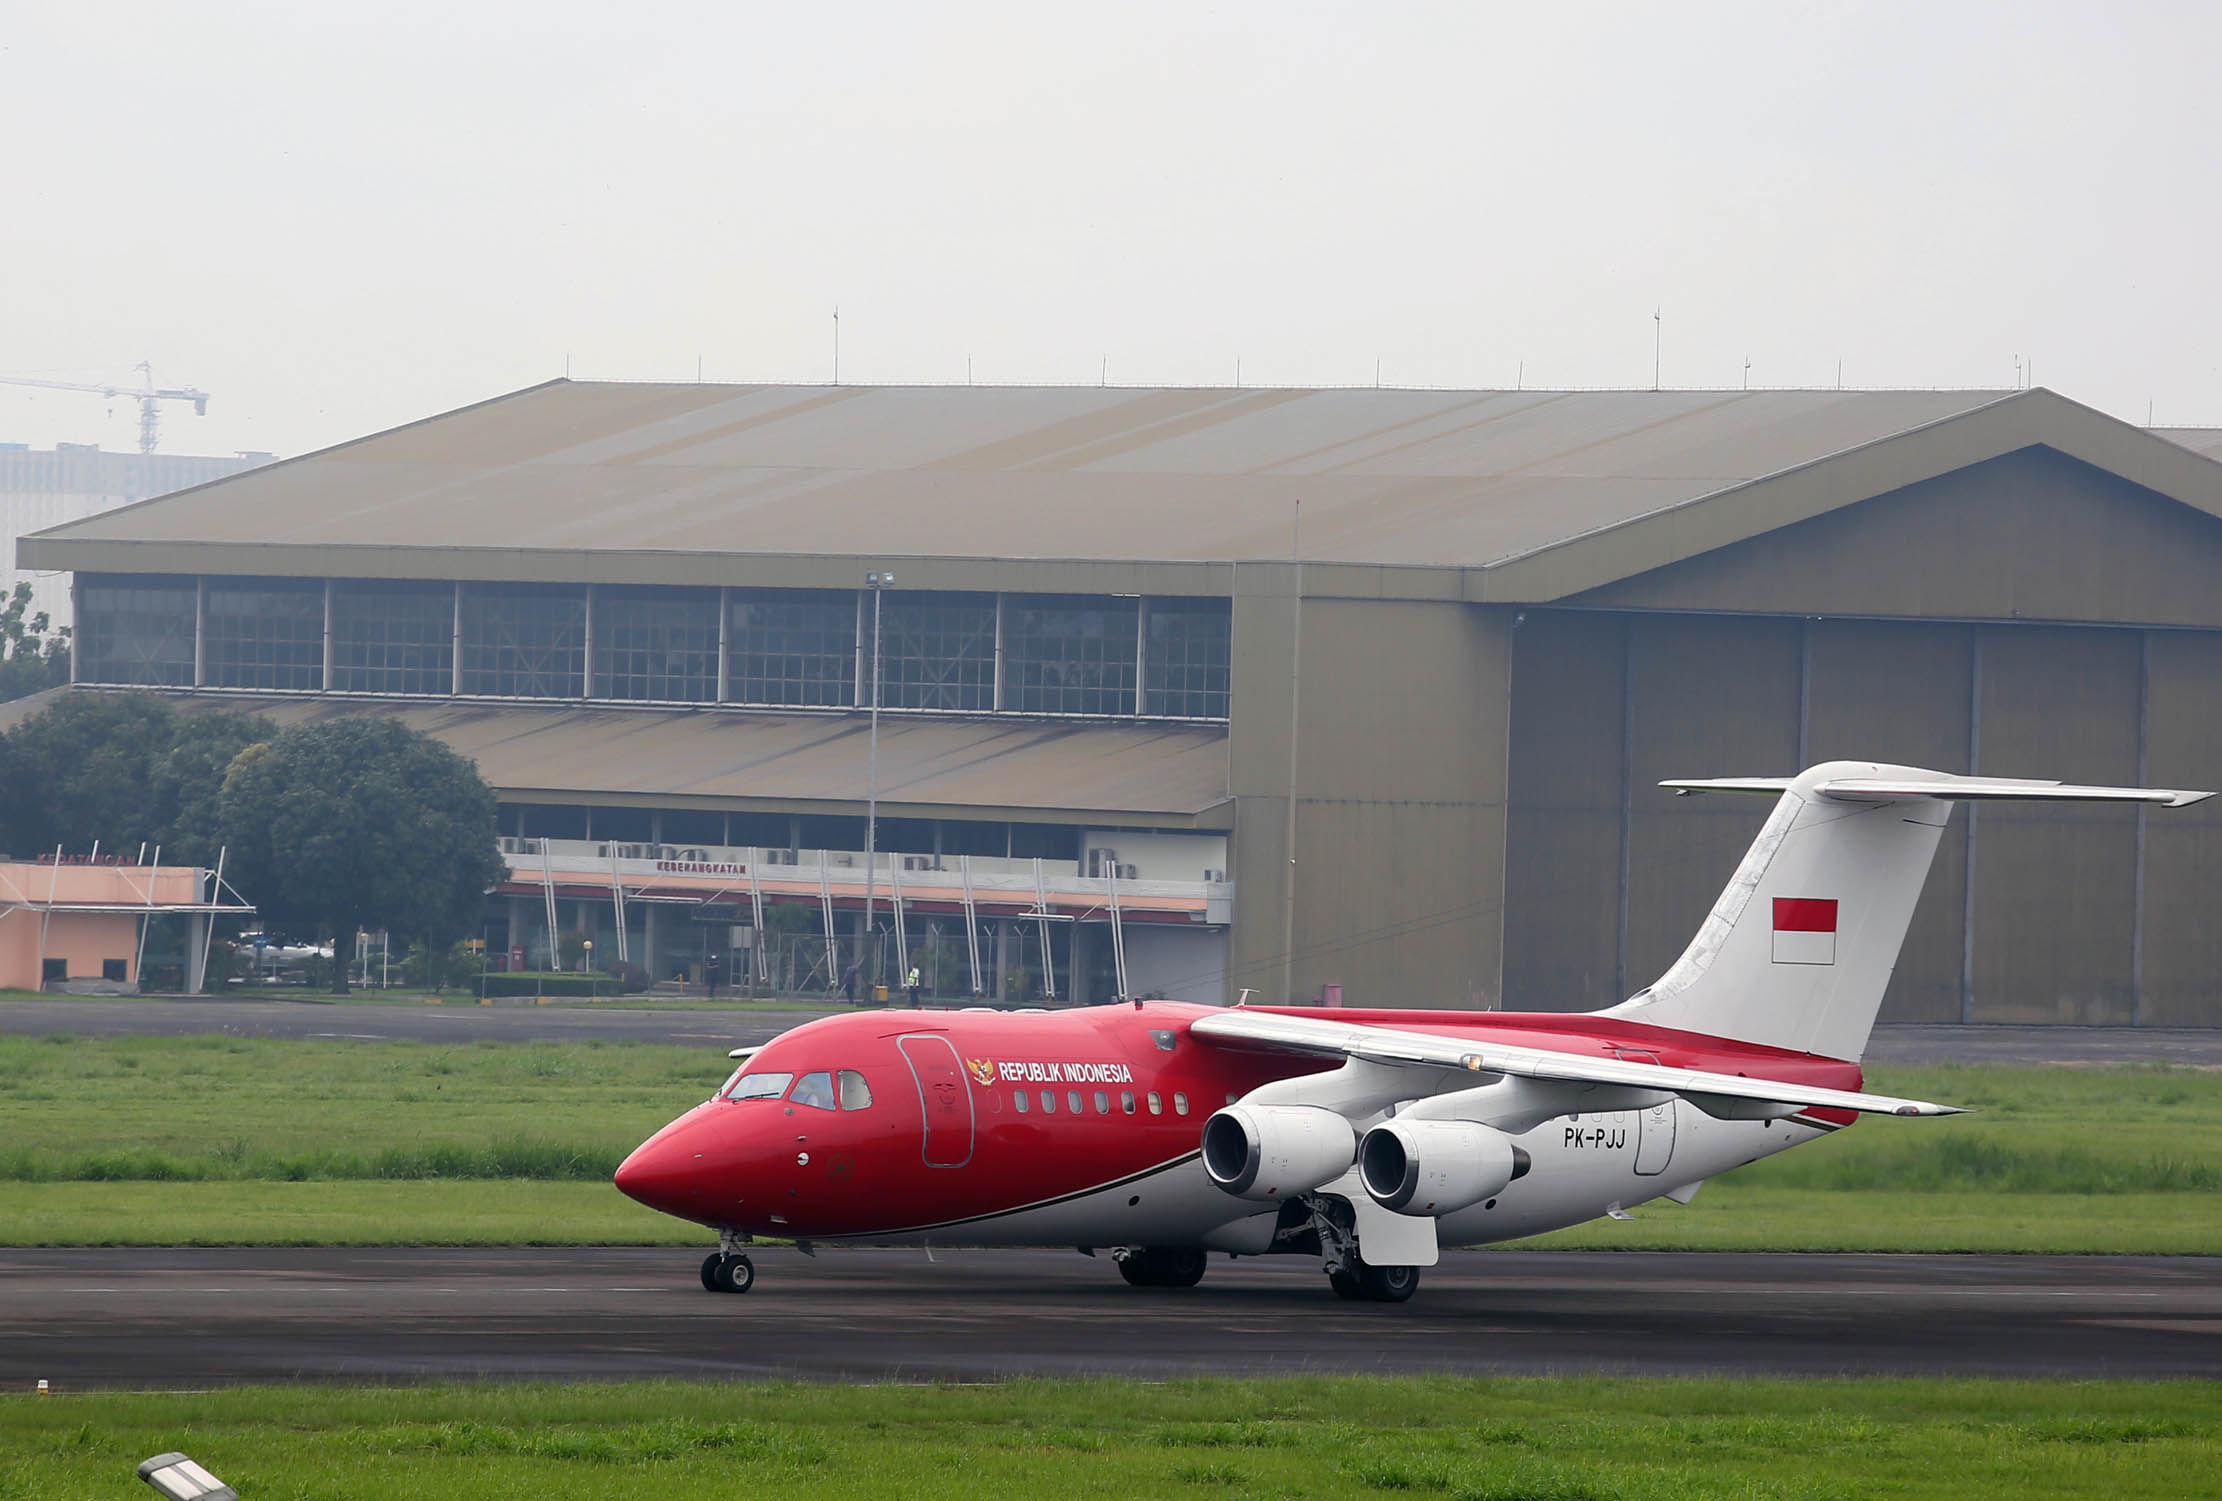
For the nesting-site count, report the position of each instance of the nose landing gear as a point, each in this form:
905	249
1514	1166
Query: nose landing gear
728	1272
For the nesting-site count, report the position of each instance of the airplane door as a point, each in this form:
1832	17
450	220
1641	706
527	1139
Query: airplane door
1654	1139
945	1095
1654	1127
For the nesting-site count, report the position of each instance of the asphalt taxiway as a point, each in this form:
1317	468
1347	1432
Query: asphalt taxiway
191	1318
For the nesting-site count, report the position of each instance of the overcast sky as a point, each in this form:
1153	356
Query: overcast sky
339	220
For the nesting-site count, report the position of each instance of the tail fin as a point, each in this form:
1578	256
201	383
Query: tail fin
1797	950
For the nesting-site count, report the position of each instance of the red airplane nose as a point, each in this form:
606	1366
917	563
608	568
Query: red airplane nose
665	1172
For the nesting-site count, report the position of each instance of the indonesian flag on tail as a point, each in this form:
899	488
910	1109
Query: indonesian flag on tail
1805	930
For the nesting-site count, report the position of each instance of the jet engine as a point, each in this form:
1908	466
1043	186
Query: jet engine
1272	1152
1436	1168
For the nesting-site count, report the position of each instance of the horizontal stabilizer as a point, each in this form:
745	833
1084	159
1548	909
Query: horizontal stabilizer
1942	788
1395	1046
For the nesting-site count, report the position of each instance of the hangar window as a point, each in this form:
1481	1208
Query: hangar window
657	644
791	646
263	633
937	651
1185	653
1069	654
135	630
390	636
523	641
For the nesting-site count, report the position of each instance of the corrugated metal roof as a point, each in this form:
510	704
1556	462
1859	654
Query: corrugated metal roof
2206	440
531	751
1459	478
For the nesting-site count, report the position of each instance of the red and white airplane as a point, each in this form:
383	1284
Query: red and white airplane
1161	1131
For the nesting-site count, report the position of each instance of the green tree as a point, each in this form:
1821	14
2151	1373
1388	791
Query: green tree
360	823
124	768
31	661
84	771
187	783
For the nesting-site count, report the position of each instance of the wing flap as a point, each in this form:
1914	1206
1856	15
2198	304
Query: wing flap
1333	1039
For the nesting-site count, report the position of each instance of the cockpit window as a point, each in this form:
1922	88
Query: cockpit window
759	1086
855	1093
814	1090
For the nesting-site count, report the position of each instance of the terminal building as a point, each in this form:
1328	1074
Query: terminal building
1200	692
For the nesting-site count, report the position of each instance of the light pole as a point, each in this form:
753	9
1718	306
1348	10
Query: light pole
879	584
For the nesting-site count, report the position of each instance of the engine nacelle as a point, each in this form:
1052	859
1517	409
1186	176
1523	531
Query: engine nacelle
1272	1152
1437	1167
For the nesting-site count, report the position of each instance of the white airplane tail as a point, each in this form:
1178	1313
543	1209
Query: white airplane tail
1796	952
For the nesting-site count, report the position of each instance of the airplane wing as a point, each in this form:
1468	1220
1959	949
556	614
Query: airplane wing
1389	1045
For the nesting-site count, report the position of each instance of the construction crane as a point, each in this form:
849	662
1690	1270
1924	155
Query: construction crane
150	424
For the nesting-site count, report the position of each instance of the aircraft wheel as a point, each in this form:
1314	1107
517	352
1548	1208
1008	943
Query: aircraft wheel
1139	1270
728	1274
1182	1266
1346	1285
1389	1284
1164	1266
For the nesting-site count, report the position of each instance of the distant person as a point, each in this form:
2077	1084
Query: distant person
848	984
911	985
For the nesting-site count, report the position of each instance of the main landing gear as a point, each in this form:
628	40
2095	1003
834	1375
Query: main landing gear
1374	1284
728	1272
1161	1266
1328	1223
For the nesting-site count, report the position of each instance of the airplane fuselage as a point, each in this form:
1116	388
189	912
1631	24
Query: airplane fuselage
1083	1128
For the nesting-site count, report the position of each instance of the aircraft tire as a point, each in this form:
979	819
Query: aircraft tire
1181	1266
728	1274
1164	1266
1346	1285
1140	1270
1388	1284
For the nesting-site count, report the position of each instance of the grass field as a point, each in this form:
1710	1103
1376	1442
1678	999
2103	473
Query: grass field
211	1140
1492	1440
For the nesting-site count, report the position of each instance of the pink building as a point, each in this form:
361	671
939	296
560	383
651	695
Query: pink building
82	919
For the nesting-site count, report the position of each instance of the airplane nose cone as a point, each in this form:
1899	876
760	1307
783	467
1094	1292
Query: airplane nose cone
667	1171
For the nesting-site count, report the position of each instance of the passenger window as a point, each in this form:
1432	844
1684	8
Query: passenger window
1157	1106
1049	1102
857	1095
1103	1103
814	1090
1072	1098
759	1086
1018	1098
1180	1103
1126	1101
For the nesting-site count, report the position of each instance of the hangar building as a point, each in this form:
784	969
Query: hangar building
1468	631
